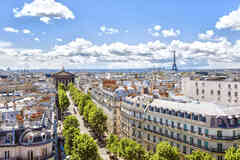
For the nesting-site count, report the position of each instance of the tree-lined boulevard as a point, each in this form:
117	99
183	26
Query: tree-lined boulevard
85	132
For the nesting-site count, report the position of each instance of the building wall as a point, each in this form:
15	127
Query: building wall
21	152
147	132
208	91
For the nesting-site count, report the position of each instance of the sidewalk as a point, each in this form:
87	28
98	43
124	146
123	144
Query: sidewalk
83	129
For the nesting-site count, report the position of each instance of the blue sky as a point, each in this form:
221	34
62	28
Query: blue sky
119	34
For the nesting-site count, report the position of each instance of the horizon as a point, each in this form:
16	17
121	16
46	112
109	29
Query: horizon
40	34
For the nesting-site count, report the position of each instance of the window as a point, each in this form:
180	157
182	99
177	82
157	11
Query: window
229	86
178	136
196	84
185	127
160	120
219	133
206	145
6	155
154	128
192	128
219	157
160	130
219	85
154	139
166	132
229	94
199	142
184	138
235	86
219	147
212	92
206	132
155	119
203	91
191	141
172	135
148	136
179	125
172	124
30	155
197	91
234	133
166	123
219	92
236	94
184	149
199	131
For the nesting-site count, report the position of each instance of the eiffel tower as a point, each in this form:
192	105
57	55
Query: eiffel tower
174	66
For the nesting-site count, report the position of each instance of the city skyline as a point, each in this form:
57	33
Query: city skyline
110	35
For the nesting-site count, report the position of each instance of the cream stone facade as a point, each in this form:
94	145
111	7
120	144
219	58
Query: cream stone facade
218	91
31	152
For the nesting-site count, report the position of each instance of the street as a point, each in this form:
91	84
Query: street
83	129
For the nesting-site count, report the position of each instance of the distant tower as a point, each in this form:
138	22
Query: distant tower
174	66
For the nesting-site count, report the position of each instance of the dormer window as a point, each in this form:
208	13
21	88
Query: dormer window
229	86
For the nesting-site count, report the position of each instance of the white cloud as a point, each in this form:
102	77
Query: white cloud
155	34
10	29
231	21
157	27
5	44
45	19
26	31
36	39
170	33
59	39
109	30
81	53
207	35
155	31
45	9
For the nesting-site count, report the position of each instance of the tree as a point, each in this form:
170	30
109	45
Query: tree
70	121
130	150
198	155
62	100
113	144
84	148
87	109
69	135
166	151
82	102
232	153
98	121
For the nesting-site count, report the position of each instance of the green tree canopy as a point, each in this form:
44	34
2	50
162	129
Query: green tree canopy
166	151
68	138
199	155
62	100
70	121
232	154
130	150
83	101
87	109
113	144
84	148
98	121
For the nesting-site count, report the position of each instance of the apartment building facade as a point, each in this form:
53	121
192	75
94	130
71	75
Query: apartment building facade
217	91
185	125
